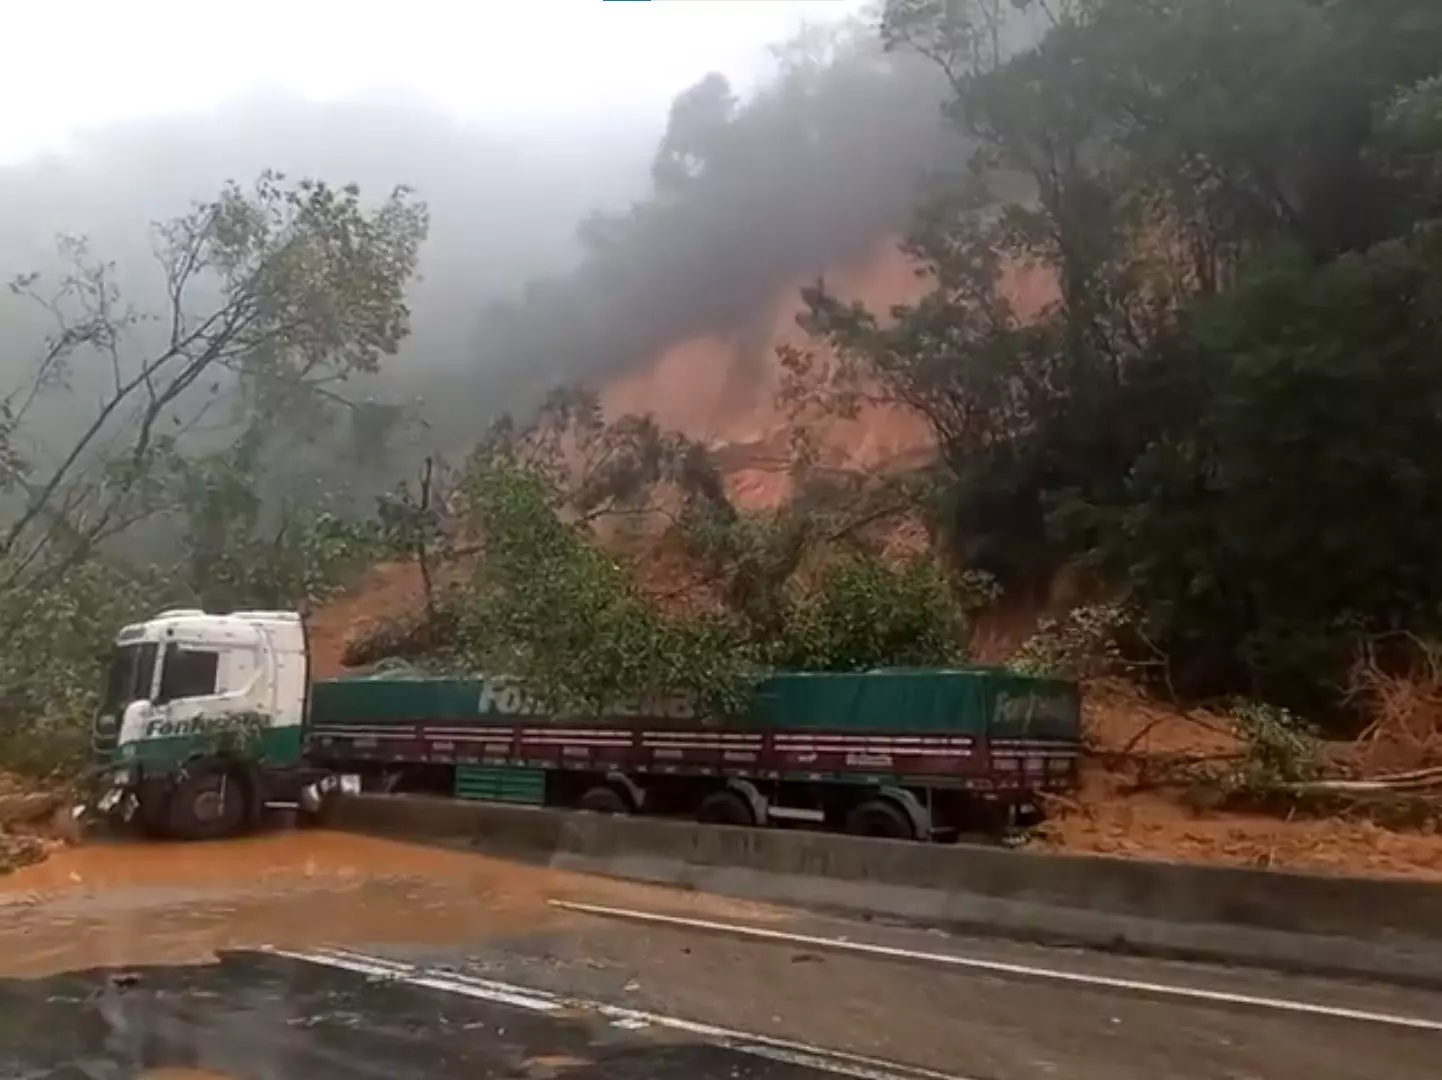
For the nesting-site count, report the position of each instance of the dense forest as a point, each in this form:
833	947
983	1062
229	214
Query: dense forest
1225	419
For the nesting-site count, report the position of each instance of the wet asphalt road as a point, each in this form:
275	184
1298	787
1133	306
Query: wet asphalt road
602	1000
258	1017
458	966
978	1024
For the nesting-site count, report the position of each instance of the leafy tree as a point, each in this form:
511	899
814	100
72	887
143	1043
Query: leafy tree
240	552
551	607
863	611
276	294
1297	513
1233	202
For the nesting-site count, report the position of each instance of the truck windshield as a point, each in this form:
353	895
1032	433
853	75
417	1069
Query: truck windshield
129	677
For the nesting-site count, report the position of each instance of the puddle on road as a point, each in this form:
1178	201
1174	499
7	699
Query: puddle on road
132	903
124	904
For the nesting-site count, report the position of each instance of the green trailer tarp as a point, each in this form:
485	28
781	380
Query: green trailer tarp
973	701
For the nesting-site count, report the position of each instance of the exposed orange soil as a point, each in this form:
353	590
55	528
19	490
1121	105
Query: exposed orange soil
1106	818
1110	815
386	591
718	392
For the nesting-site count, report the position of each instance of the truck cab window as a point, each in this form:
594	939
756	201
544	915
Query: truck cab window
187	673
129	676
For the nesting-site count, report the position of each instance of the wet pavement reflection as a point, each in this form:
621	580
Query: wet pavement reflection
260	1017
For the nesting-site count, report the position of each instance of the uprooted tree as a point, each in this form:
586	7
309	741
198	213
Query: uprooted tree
274	295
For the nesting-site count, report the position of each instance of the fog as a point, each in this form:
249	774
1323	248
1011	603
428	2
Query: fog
575	233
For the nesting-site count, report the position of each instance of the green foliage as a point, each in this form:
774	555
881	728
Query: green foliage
277	293
53	662
1084	643
549	606
1227	403
560	594
863	612
1297	511
239	552
1280	748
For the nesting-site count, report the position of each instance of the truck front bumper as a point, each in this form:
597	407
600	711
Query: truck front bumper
114	793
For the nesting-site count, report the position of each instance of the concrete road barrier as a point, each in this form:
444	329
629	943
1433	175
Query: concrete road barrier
1375	928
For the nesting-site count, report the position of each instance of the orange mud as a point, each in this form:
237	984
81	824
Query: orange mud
1138	742
723	392
119	904
1108	819
388	590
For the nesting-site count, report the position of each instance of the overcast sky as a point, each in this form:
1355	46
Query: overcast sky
69	64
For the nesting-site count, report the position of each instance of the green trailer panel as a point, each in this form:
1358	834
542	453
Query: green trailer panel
970	701
979	702
501	783
396	700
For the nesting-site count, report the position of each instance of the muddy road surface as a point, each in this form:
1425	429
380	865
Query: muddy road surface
308	956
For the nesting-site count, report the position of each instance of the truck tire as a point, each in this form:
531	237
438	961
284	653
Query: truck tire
725	808
208	803
880	818
603	799
152	816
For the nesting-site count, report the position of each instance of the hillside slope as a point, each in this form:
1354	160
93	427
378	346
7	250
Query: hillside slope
722	391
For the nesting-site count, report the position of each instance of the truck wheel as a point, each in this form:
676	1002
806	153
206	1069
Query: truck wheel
153	817
604	800
725	808
208	804
880	818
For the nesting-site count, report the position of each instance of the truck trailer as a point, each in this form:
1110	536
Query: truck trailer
209	719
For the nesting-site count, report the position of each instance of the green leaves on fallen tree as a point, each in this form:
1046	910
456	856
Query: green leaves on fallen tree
565	601
862	611
548	605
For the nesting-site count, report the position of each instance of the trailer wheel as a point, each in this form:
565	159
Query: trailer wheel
207	804
880	818
602	799
725	808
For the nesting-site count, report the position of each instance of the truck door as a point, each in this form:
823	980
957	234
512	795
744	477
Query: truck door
189	686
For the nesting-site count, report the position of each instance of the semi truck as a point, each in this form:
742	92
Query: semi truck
208	719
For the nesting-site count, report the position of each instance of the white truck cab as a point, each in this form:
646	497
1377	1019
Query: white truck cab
180	672
199	712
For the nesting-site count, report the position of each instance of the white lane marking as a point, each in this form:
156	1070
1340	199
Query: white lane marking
1001	967
783	1050
517	997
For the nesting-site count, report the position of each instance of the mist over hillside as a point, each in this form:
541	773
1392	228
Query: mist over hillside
556	252
504	199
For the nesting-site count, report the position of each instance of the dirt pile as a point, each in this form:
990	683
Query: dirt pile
1137	798
34	821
